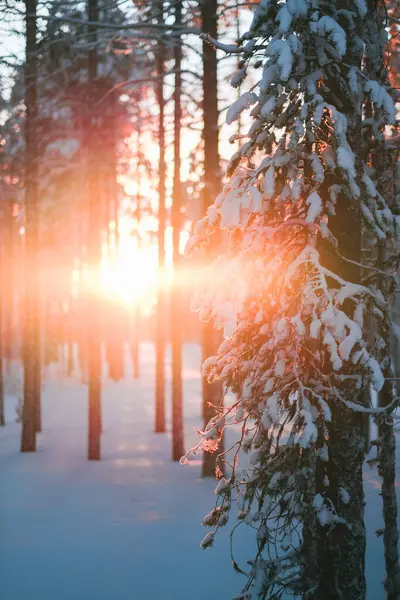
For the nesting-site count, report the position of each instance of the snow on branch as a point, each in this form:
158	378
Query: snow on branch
303	336
228	48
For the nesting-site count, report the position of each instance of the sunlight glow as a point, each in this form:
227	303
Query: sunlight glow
129	271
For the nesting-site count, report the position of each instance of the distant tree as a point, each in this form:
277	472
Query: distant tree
31	338
2	345
94	227
304	336
138	216
176	302
160	334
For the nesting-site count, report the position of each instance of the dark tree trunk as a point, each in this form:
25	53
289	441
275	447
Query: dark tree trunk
342	551
112	208
2	345
160	336
212	393
135	337
385	161
114	337
387	470
176	305
11	237
70	364
31	338
387	449
309	524
93	315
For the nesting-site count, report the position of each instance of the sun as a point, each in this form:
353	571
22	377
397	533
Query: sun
129	269
128	272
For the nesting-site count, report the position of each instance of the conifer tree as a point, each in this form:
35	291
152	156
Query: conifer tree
304	336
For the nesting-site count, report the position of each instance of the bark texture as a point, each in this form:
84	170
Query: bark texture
342	548
342	566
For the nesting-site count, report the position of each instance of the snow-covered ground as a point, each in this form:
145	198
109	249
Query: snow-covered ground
128	527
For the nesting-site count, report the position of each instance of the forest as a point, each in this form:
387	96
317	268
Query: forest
199	299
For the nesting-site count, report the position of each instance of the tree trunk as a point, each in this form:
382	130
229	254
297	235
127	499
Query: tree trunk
387	459
385	161
342	551
3	239
160	341
176	319
135	337
31	341
212	393
309	524
113	335
93	315
70	364
11	237
387	470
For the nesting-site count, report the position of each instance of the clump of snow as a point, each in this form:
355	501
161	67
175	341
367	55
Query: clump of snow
315	207
238	78
381	98
361	7
344	495
269	74
318	168
297	8
335	33
378	378
241	104
269	183
284	19
345	159
268	107
354	80
282	50
208	540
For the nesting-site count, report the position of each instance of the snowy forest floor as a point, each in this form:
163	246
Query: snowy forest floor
128	527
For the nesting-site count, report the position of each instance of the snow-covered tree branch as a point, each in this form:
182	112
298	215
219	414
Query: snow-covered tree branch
304	336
